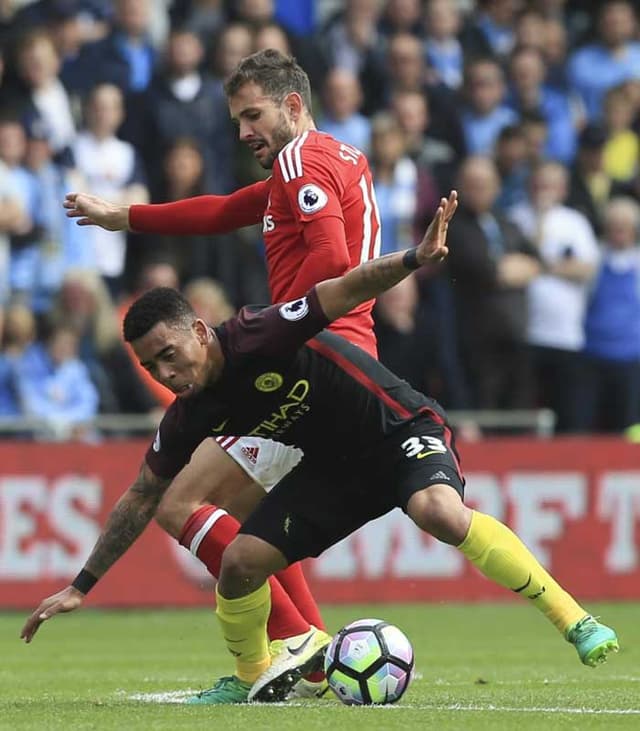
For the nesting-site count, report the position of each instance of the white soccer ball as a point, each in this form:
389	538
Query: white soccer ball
369	662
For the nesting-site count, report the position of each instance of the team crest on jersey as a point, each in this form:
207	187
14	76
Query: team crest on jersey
268	382
311	198
295	310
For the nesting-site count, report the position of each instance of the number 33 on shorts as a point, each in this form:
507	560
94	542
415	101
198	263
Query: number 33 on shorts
421	447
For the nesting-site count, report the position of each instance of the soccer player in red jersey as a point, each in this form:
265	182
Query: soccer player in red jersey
319	218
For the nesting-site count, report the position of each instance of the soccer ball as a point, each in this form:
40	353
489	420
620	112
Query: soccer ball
369	661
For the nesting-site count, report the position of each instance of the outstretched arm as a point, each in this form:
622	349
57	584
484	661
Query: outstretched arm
205	214
339	296
126	522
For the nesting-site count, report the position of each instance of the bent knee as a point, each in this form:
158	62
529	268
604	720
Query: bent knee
439	511
242	559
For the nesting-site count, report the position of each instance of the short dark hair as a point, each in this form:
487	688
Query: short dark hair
276	74
160	304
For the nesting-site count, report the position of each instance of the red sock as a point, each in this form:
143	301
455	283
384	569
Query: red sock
294	583
207	532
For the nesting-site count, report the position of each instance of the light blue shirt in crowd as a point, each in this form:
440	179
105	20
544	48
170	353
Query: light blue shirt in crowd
355	131
481	132
593	70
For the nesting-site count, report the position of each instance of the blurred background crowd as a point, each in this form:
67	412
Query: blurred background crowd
530	109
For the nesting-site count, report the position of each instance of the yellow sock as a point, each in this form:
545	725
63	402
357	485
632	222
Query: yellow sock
244	628
496	551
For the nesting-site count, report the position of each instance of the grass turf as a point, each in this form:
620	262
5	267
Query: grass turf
478	667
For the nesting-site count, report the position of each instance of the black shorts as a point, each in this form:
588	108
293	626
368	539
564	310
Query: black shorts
317	505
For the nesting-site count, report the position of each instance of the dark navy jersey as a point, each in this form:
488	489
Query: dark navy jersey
284	378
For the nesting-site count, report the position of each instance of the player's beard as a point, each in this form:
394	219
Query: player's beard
280	137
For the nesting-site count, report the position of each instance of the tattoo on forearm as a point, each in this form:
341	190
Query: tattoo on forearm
378	275
126	522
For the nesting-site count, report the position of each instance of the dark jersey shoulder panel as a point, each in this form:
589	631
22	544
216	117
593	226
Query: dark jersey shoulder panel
326	396
271	335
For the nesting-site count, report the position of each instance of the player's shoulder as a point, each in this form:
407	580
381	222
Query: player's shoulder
314	151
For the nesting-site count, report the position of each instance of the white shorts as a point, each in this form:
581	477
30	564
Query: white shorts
264	460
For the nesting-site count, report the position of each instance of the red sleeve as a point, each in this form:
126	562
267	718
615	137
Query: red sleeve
327	257
314	192
205	214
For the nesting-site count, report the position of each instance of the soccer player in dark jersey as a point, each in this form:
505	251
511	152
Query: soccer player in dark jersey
371	443
319	218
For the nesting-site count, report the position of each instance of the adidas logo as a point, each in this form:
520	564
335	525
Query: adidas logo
439	475
251	453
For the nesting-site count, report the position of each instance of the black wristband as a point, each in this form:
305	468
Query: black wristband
410	259
84	581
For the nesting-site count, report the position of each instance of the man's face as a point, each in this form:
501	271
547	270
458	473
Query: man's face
176	356
264	125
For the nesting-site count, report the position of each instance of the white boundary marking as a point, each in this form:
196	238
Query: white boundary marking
179	696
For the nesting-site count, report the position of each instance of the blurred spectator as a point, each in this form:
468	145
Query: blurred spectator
407	71
195	256
13	219
611	390
24	230
183	101
534	129
45	96
555	52
84	304
401	346
125	58
496	21
234	42
529	93
209	300
614	58
54	385
444	51
61	244
271	35
485	112
491	264
512	163
591	185
204	17
622	146
19	329
352	37
156	273
253	12
400	16
404	192
113	170
342	98
557	298
17	333
9	407
433	155
530	29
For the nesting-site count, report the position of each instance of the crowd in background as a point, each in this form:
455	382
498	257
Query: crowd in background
530	109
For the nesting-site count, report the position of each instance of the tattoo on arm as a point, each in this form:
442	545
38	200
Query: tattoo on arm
127	520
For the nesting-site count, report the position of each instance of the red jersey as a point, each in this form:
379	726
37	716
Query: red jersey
316	176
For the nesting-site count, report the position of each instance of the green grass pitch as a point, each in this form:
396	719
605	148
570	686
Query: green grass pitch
478	667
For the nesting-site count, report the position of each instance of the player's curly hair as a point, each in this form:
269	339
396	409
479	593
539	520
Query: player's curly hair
276	74
160	304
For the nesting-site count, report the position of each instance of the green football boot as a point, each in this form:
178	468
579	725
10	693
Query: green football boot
592	640
229	689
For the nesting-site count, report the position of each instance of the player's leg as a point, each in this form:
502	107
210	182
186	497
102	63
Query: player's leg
206	529
433	490
233	474
310	510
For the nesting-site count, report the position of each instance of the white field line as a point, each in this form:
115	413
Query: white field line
179	696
